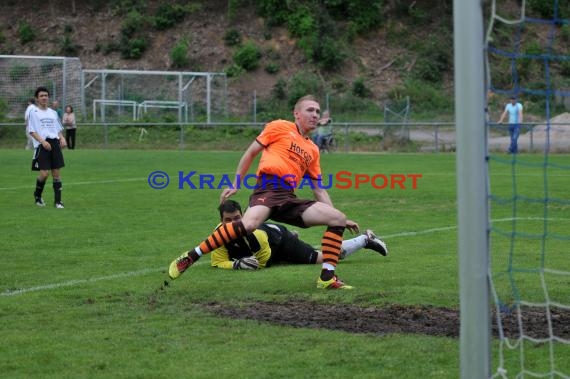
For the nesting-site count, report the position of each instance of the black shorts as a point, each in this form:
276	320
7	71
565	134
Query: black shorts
46	159
287	247
285	206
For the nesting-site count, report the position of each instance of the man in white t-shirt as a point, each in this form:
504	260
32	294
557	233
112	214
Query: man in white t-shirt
46	130
31	105
515	111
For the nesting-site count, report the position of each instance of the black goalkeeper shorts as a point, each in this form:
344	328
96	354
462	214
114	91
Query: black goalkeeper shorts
287	247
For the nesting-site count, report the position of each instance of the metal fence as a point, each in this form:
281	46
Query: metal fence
429	137
177	96
112	95
21	75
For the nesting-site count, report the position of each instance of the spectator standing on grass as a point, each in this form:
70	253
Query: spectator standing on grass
55	106
324	130
46	130
70	127
287	156
30	140
514	110
274	243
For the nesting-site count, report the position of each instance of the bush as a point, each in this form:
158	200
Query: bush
424	98
168	15
359	89
279	91
26	33
133	48
364	15
18	71
248	56
276	12
545	9
68	47
329	54
272	68
303	83
133	23
301	23
234	71
179	54
434	61
232	38
565	68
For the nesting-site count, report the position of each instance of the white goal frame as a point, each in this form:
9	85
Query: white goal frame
472	208
116	103
181	106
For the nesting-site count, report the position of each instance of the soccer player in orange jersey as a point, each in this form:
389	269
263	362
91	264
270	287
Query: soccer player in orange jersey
287	156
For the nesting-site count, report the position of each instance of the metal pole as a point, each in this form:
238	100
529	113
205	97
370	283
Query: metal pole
254	106
64	94
103	96
209	96
471	189
180	98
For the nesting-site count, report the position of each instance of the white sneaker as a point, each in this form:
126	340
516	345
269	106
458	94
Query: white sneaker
40	202
59	205
375	243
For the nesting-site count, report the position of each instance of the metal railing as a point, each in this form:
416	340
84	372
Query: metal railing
350	136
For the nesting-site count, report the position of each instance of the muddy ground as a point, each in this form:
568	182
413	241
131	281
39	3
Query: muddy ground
425	320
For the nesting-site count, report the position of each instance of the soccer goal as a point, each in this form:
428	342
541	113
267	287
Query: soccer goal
120	107
513	218
181	108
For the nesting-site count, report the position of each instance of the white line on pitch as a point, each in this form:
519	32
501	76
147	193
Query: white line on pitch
83	183
446	228
72	283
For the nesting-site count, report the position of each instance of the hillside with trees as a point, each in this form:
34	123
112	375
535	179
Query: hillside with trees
359	52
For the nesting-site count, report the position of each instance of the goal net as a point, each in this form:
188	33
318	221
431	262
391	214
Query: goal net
528	57
21	75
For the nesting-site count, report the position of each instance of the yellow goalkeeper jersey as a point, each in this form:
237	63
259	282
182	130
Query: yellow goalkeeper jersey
256	244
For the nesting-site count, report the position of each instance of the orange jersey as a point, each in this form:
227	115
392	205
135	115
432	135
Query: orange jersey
287	153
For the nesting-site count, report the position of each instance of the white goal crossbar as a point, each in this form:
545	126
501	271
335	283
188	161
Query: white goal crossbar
117	103
182	107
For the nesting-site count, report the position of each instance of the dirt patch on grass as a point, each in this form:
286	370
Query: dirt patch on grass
427	320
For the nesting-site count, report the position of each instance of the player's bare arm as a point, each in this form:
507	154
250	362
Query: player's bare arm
62	141
42	141
320	193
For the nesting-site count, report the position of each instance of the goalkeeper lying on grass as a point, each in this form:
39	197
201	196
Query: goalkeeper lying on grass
273	243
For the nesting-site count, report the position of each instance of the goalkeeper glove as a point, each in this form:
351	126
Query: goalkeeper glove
246	263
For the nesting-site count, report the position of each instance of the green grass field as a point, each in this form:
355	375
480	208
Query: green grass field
79	286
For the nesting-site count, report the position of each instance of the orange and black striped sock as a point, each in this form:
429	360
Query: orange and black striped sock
331	244
222	235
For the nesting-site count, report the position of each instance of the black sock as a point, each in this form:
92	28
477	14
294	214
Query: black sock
39	188
194	256
326	274
57	190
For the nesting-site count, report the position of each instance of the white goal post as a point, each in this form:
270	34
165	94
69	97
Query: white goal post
116	103
180	106
472	213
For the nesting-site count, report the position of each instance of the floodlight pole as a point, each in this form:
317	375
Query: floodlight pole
471	189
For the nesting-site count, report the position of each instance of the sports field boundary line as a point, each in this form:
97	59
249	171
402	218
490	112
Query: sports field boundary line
72	283
83	183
